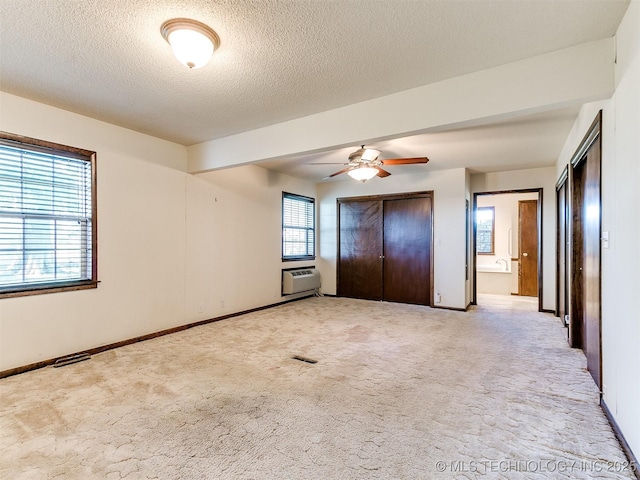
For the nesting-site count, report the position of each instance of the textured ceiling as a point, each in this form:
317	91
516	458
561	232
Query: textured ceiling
278	60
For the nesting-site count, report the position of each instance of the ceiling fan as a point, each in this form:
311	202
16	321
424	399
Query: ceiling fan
364	164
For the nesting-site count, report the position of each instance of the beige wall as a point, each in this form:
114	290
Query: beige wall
171	246
141	237
234	234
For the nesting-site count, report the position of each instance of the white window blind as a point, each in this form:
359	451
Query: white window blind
298	227
46	217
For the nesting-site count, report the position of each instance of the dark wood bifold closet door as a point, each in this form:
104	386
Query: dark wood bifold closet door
360	261
407	250
385	248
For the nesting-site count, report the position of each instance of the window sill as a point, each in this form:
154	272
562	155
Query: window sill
298	259
48	288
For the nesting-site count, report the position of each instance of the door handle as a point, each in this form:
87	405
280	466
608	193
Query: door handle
525	254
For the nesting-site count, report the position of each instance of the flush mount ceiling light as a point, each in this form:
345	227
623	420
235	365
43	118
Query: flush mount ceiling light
192	42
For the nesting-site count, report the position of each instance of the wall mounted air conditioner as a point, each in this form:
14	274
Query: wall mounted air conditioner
300	280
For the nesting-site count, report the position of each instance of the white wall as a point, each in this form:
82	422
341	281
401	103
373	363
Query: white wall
448	188
234	235
620	197
171	246
523	179
141	238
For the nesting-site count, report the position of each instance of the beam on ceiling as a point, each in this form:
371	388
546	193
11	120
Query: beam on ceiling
568	77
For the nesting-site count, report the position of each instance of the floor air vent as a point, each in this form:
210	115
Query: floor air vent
81	357
304	359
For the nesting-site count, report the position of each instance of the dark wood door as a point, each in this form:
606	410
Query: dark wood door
562	218
407	250
360	249
578	179
585	304
528	248
591	275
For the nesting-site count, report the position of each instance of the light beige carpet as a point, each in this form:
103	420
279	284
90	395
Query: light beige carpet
399	392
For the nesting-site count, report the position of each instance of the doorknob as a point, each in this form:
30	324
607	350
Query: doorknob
525	254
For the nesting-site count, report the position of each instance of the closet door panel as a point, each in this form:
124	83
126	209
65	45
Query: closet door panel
407	250
360	249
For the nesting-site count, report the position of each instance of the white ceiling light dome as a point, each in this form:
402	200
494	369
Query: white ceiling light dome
193	42
363	172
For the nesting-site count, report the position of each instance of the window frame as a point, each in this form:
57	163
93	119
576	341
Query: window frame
312	201
493	231
46	147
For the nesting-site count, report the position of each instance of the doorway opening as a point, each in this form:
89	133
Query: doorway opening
507	245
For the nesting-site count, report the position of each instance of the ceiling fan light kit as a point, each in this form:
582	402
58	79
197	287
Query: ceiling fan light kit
192	42
363	172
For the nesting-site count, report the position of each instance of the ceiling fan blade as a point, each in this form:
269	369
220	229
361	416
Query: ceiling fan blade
382	173
404	161
327	163
337	173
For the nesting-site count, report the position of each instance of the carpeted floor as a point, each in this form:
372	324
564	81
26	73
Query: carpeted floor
399	392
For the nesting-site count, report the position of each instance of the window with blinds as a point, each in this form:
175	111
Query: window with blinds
485	218
298	227
47	217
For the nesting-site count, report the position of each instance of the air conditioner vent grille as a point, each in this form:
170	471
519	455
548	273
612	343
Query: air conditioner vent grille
301	280
297	273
